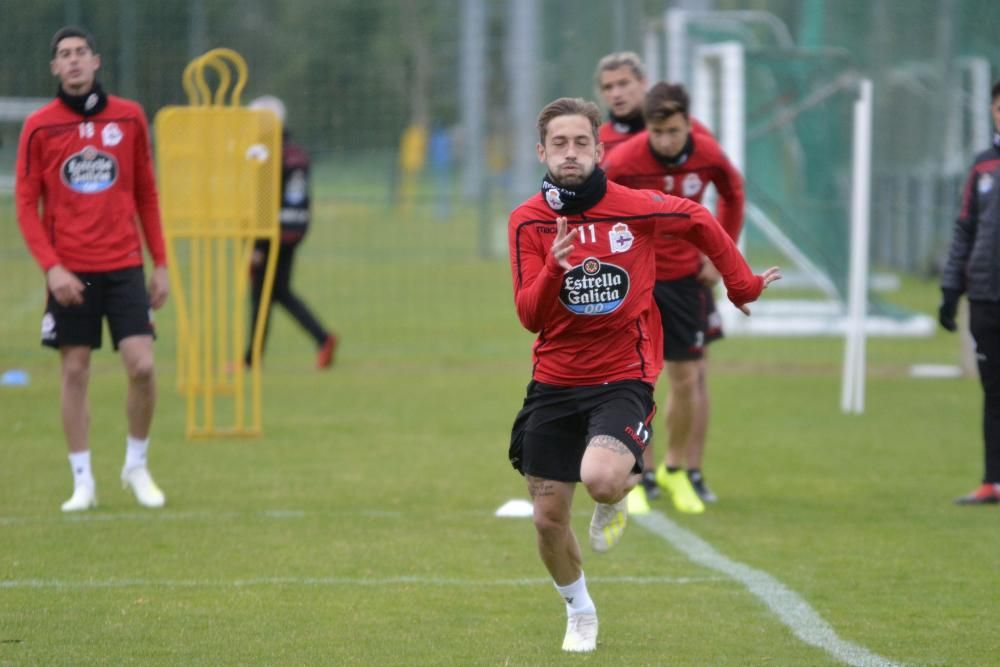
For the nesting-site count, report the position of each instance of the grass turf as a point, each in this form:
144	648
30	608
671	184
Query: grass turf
359	530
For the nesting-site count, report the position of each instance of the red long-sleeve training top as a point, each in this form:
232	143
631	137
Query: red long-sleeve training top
595	323
633	164
92	176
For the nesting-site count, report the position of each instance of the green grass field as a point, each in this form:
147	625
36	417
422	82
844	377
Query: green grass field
360	529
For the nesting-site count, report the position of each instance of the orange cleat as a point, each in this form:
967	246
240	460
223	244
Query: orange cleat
324	358
986	494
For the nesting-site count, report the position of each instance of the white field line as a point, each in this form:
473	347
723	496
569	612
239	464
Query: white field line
790	608
167	515
438	582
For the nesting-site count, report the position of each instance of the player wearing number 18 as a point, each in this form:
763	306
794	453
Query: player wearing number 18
85	157
583	265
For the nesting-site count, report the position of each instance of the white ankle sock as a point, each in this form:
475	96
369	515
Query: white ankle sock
79	463
576	596
135	452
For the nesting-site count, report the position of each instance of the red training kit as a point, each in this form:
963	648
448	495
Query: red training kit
634	165
93	175
597	322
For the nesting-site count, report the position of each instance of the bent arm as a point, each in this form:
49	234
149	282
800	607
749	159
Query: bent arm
537	280
697	226
732	199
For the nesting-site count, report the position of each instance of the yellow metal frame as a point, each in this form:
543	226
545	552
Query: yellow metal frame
204	214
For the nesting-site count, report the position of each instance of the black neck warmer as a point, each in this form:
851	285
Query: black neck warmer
680	158
571	202
88	104
628	124
996	140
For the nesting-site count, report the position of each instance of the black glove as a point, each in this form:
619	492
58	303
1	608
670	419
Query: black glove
948	308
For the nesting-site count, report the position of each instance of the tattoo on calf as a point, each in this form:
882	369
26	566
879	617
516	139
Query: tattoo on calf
607	442
538	487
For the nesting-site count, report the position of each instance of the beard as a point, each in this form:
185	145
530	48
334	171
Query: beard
571	179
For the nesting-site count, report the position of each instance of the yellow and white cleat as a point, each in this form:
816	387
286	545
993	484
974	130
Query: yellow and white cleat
145	489
638	501
681	492
581	633
608	525
84	498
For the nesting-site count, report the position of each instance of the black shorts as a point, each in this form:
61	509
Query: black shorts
120	296
690	320
555	424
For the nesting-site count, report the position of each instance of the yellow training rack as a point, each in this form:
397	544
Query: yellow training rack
219	172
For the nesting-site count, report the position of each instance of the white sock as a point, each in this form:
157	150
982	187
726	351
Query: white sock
79	463
577	598
135	452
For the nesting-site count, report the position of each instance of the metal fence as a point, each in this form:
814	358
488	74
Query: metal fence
356	74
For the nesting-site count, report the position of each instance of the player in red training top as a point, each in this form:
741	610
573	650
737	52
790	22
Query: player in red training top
621	82
672	156
86	157
582	259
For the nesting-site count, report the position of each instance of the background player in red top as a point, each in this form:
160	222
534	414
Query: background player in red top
86	157
621	83
582	260
673	156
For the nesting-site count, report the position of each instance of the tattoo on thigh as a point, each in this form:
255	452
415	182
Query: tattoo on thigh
607	442
538	487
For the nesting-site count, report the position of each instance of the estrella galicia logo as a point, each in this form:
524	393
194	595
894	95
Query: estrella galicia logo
90	171
594	287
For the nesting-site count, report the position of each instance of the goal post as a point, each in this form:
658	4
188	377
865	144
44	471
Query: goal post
819	234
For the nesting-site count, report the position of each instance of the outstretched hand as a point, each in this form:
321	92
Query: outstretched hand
769	276
563	245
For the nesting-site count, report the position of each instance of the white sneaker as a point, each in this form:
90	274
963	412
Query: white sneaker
145	489
84	497
608	525
581	633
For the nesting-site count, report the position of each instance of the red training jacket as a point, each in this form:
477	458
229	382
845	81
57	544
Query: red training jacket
596	323
611	134
634	165
92	175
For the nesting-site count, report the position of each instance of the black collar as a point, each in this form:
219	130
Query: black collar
628	124
90	103
680	158
570	202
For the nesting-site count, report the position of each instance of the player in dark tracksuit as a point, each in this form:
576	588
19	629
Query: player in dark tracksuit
295	217
973	268
582	255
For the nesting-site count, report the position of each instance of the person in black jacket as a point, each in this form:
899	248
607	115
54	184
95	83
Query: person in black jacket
973	268
294	223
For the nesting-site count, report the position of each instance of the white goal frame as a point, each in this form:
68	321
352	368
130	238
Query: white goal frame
719	100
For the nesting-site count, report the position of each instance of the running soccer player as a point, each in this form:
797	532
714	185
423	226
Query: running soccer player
582	261
675	157
85	157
